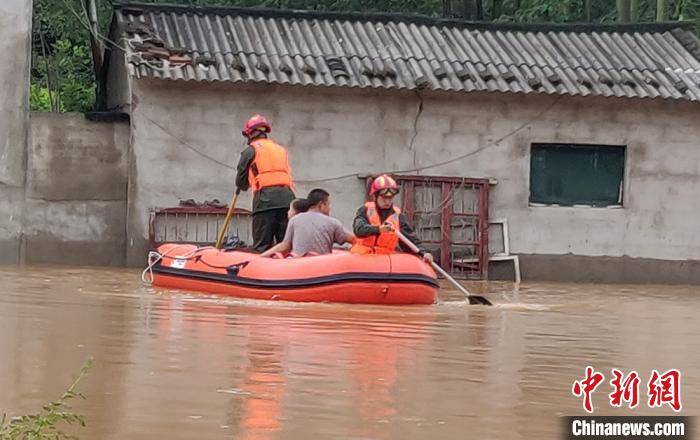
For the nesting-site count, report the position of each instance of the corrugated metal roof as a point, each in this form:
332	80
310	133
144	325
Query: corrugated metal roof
407	52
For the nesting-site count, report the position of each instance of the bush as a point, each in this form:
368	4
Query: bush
44	424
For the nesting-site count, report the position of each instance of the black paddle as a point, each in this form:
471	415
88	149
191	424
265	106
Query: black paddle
473	299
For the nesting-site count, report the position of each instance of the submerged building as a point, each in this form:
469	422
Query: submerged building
588	135
582	139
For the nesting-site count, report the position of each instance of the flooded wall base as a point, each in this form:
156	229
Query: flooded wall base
584	269
76	191
72	208
12	209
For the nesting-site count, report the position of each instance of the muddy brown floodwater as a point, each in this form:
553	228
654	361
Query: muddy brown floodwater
175	365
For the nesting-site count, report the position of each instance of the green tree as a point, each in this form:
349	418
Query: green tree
62	74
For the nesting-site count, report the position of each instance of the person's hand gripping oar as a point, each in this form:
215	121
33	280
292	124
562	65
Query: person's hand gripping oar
473	299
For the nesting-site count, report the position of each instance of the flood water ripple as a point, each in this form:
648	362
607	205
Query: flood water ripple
171	364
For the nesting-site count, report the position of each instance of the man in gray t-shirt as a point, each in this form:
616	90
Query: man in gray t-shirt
314	231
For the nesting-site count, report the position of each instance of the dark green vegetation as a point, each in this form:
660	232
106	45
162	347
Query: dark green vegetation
44	425
62	76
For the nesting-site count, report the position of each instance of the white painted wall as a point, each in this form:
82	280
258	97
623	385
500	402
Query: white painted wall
335	131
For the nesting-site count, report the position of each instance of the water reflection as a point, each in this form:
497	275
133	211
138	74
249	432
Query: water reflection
294	348
185	366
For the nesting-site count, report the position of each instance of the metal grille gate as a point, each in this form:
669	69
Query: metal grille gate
450	216
197	225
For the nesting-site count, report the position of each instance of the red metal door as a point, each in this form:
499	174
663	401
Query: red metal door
450	216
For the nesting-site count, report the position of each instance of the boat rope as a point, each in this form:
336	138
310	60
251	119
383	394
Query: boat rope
155	257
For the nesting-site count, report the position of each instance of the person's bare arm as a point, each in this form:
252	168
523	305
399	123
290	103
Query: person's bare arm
342	235
281	247
350	238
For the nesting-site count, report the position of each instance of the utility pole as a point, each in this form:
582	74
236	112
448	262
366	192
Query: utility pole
634	11
660	10
623	11
589	13
95	43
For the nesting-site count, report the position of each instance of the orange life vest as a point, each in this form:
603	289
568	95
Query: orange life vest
384	242
270	166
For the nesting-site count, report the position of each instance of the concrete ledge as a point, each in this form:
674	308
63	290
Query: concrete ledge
583	269
49	249
9	251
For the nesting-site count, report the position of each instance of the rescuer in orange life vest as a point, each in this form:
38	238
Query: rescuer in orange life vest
376	221
264	168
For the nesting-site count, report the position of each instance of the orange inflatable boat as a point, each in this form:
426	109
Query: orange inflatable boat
338	277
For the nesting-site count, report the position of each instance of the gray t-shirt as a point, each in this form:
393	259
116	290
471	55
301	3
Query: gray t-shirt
314	232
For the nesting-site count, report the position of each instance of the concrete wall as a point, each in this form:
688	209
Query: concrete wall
73	207
11	222
15	37
76	190
336	131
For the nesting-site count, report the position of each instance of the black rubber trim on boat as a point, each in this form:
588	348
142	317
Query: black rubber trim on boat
293	284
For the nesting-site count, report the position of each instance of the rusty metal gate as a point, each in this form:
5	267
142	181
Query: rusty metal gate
196	224
450	216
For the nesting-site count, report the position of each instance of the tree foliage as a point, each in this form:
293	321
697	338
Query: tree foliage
63	78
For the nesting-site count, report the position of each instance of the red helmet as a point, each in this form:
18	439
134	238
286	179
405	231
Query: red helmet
382	184
256	123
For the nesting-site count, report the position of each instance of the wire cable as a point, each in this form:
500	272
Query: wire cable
342	176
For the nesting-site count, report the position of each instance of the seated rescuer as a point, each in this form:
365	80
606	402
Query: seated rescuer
264	167
313	231
376	221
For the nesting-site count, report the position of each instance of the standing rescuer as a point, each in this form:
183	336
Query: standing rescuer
264	168
376	222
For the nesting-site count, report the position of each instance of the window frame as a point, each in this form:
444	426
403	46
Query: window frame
622	192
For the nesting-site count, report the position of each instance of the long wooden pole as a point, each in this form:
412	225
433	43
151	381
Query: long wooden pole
229	214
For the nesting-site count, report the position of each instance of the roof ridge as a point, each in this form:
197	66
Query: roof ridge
410	18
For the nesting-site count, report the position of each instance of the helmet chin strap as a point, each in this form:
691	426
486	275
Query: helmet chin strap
256	134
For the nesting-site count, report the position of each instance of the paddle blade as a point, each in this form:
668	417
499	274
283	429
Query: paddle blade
477	300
